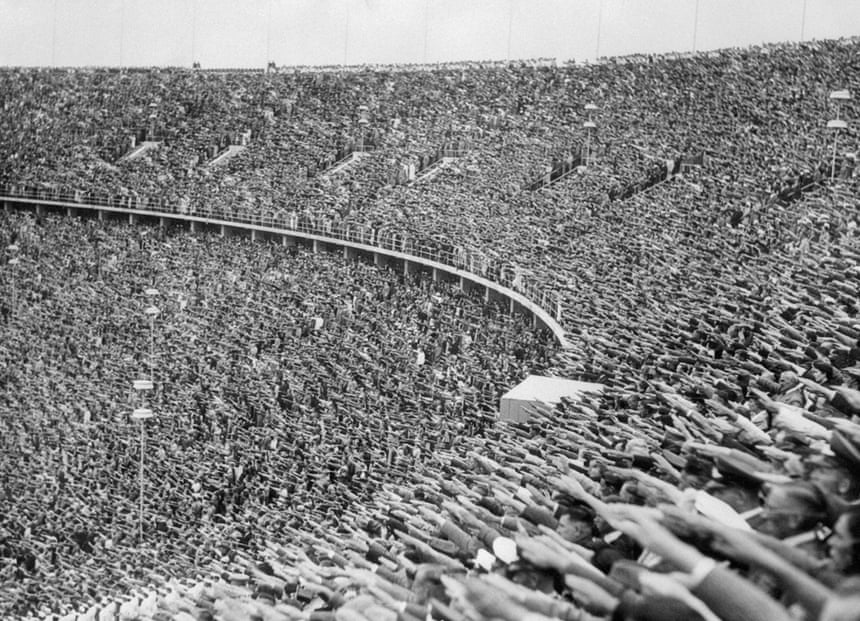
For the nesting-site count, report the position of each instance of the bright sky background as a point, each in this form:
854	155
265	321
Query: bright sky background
238	33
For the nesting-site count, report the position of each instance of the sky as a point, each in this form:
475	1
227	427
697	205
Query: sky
248	33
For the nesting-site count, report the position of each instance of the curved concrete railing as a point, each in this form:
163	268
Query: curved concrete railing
381	245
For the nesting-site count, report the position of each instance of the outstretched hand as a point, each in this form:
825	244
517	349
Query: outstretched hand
543	552
590	596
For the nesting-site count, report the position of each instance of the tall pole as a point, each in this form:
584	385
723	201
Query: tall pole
142	451
121	29
151	348
803	22
587	147
833	162
695	25
193	30
13	263
599	24
346	35
54	38
510	25
269	37
835	140
141	414
426	26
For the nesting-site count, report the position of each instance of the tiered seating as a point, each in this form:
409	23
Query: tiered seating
720	309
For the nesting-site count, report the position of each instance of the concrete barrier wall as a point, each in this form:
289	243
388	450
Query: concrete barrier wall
381	255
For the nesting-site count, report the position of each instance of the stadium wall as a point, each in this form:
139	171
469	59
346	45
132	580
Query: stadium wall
409	263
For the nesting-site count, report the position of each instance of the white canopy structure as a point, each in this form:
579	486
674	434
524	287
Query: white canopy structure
541	389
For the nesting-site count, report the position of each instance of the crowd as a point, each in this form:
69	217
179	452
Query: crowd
715	478
282	395
762	129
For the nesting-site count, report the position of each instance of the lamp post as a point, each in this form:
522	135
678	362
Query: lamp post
589	127
121	30
695	26
363	122
510	26
13	262
153	121
54	37
837	124
269	38
141	414
151	311
145	385
99	238
346	37
803	22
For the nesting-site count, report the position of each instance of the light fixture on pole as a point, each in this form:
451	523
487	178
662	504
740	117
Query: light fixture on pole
837	124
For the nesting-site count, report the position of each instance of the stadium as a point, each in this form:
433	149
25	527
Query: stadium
340	326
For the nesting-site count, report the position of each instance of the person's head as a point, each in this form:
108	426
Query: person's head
792	508
595	471
844	543
787	381
831	477
575	522
533	578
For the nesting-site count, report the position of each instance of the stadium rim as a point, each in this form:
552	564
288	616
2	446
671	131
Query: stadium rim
515	299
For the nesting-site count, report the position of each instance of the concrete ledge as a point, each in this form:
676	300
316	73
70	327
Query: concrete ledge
318	242
344	163
139	151
434	169
226	155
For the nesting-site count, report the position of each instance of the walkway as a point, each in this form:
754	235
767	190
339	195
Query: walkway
440	264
